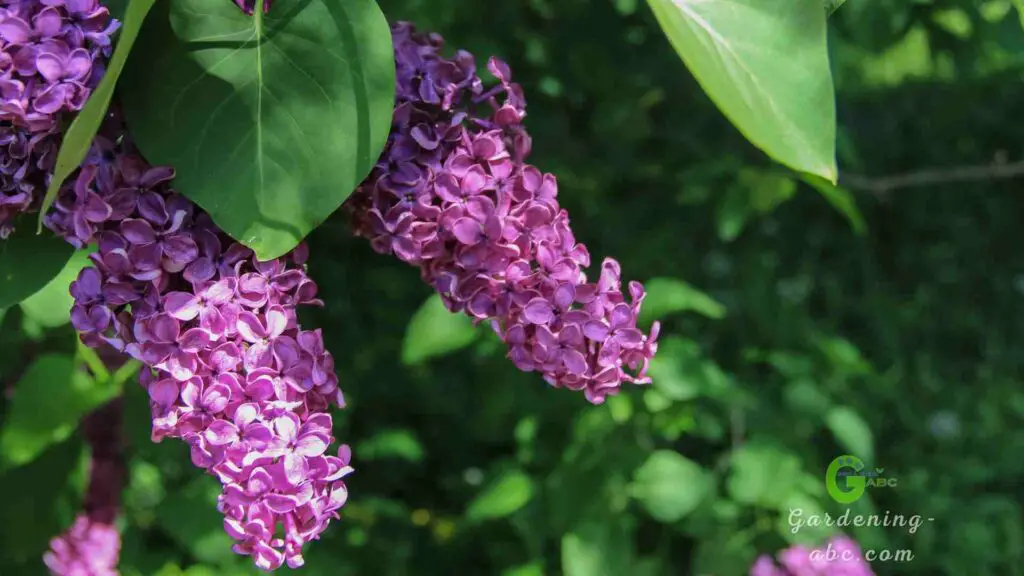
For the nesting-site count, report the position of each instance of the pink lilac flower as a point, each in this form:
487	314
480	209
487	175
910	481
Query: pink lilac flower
88	548
52	55
230	371
92	545
453	195
841	556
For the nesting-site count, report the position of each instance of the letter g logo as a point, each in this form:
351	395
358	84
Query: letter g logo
854	484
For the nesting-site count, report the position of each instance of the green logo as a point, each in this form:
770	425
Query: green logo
847	478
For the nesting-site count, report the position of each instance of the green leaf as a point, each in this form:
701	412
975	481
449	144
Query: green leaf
35	420
507	494
435	331
1019	5
28	261
190	517
79	136
391	444
767	188
531	569
841	199
851	431
832	5
765	64
51	306
675	371
732	213
670	486
29	518
668	295
598	548
271	121
760	474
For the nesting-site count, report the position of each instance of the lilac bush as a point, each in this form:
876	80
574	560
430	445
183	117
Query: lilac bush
52	54
453	195
840	557
230	371
92	545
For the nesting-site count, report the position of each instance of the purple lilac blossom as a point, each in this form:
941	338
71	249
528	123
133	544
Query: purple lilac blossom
230	371
840	557
453	195
92	545
249	6
52	54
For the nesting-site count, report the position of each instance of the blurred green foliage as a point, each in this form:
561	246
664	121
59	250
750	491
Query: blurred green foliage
787	337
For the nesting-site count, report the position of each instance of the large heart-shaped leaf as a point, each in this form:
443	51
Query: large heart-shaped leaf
765	64
271	121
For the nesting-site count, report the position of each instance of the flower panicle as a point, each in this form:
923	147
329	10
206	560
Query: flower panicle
92	545
228	368
453	195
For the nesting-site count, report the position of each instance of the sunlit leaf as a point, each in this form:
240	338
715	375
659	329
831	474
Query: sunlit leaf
391	444
502	497
598	548
670	486
35	420
755	469
51	306
852	432
670	295
28	262
435	331
765	64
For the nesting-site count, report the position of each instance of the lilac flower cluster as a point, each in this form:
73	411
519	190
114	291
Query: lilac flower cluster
88	548
841	557
453	195
92	545
52	54
230	370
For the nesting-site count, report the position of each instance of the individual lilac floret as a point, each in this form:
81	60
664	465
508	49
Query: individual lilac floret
249	6
92	545
840	557
453	195
230	371
52	55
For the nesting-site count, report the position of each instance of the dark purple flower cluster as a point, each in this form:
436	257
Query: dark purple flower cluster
453	195
92	545
230	370
840	557
52	54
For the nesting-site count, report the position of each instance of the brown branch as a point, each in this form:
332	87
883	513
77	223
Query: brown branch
933	176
